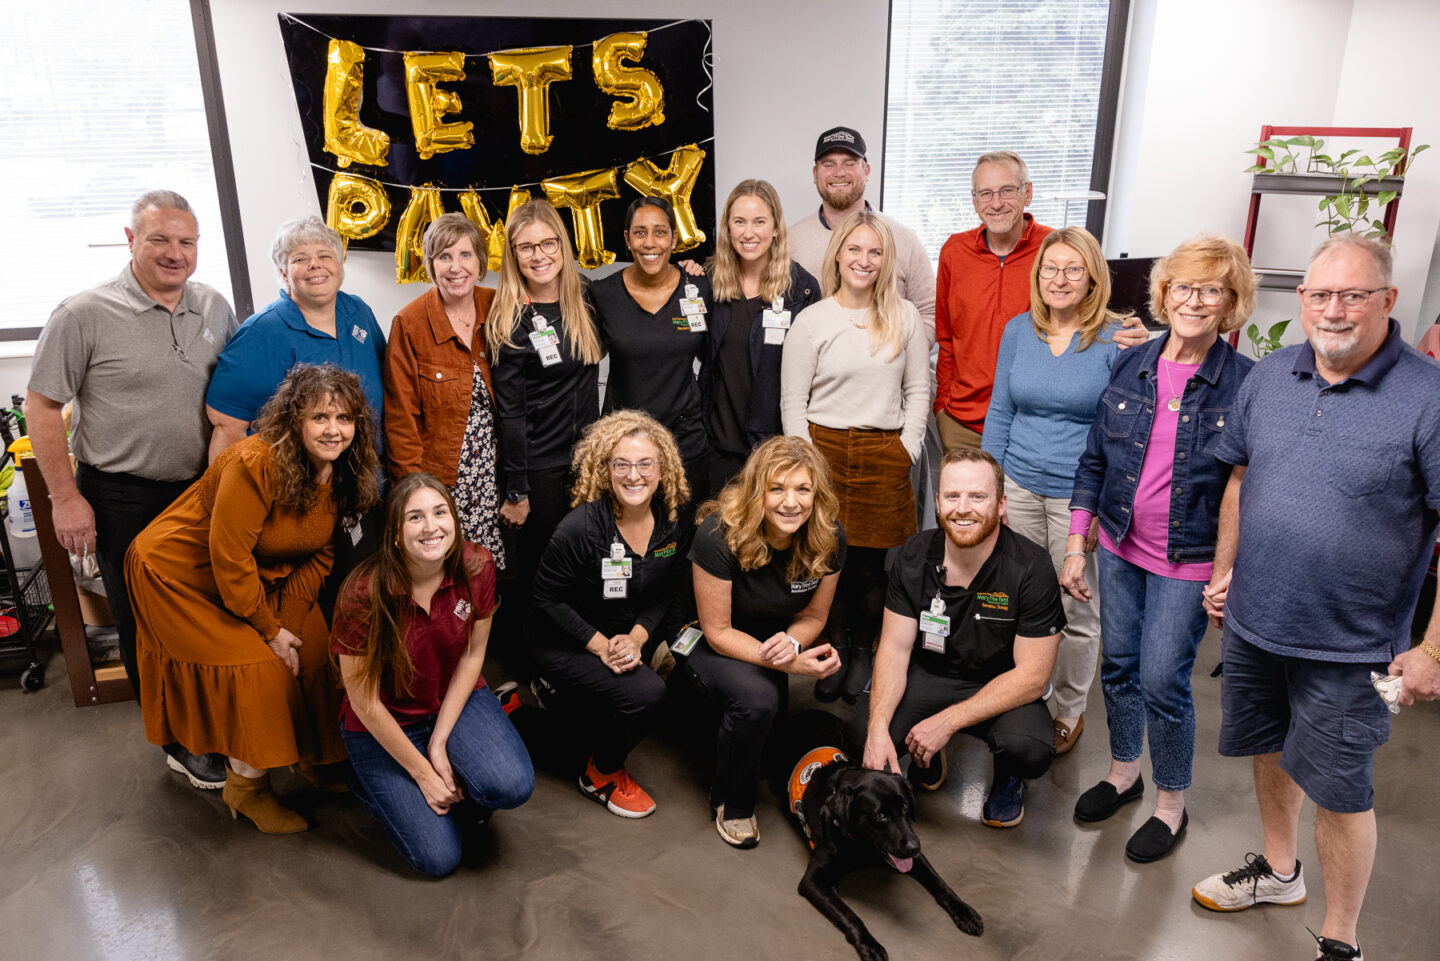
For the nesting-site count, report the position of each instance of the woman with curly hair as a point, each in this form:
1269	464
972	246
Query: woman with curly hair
232	646
605	594
423	732
765	560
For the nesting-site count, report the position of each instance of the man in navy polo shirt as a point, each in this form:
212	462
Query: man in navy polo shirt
1326	528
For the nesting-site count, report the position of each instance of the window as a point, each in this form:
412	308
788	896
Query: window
970	76
99	102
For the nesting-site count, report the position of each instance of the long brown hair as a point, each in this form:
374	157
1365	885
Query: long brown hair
741	506
377	592
577	322
725	264
355	475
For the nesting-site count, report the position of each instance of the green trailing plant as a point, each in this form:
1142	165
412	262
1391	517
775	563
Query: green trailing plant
1352	207
1268	342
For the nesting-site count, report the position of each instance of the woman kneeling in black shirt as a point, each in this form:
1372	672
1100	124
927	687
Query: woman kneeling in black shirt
606	583
766	558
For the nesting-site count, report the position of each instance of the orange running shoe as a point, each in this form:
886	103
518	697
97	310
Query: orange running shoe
618	792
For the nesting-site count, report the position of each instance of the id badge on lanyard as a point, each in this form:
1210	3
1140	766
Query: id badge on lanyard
615	573
776	321
692	307
935	626
545	339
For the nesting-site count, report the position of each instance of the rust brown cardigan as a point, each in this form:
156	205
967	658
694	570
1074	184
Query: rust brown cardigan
429	375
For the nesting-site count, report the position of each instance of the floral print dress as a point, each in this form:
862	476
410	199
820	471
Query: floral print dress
476	494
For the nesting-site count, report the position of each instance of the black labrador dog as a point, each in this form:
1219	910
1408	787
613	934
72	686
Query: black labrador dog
857	817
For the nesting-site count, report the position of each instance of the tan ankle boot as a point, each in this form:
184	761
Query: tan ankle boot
253	798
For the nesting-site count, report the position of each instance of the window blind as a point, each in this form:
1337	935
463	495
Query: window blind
99	102
970	76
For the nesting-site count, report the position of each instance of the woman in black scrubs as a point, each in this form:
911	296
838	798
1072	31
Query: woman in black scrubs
605	596
758	291
654	324
765	560
544	360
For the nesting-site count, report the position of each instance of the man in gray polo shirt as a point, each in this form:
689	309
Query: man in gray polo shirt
1326	529
135	354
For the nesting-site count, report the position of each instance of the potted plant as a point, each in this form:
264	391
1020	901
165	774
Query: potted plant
1352	184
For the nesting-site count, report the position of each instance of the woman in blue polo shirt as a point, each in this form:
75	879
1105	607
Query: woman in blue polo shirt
311	322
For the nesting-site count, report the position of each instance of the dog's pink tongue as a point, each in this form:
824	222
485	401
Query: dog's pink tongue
902	865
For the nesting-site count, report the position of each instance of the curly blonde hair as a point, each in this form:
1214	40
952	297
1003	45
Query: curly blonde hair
355	476
590	461
741	506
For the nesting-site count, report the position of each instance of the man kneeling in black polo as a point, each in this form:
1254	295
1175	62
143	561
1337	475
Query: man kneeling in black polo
972	624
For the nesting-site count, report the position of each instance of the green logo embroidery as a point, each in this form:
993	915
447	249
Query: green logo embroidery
667	551
995	600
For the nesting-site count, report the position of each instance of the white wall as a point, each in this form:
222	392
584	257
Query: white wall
771	102
1202	79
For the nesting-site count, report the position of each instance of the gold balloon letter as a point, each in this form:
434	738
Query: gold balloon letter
424	206
358	207
477	214
428	103
582	193
674	184
644	102
532	70
345	136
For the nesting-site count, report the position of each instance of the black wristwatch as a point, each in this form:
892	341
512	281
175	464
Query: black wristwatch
514	498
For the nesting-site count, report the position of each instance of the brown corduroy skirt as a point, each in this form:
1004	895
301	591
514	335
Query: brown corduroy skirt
872	481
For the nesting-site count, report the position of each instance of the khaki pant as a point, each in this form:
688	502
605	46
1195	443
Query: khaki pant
954	434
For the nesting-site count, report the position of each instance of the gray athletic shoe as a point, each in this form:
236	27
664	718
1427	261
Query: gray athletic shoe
1246	887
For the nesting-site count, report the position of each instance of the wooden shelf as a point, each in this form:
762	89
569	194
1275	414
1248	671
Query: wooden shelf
1317	185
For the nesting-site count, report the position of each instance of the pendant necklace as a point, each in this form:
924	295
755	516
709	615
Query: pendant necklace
1174	403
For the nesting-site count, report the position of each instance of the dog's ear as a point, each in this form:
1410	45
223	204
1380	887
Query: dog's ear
835	812
907	793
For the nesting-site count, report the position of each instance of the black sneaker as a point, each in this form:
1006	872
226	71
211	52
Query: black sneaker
204	771
1332	950
1005	807
857	673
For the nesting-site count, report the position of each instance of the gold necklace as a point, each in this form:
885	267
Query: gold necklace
1174	403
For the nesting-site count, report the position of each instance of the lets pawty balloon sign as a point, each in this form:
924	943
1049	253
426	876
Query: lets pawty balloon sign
405	118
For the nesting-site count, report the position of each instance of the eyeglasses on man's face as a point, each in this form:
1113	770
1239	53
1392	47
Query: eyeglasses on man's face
1007	192
1351	299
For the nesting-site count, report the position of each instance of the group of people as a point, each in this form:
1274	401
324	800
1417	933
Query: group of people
746	495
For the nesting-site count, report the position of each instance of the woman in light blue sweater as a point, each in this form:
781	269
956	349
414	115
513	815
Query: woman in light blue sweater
1054	364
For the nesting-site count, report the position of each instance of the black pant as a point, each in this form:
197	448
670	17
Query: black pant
524	546
124	505
723	465
751	699
612	711
1022	740
859	601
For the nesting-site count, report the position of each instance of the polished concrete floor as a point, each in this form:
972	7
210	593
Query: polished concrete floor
107	855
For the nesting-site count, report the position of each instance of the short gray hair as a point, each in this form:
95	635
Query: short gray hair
1005	157
1379	252
297	233
161	200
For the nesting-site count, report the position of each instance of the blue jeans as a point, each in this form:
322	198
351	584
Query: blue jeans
491	767
1151	627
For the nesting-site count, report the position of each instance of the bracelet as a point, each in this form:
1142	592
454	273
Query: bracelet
796	643
1430	649
1070	554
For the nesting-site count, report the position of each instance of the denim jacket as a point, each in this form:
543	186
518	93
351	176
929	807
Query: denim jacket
1109	470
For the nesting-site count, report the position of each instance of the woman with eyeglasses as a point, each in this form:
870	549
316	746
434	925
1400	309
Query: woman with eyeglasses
544	355
759	291
1151	478
1054	363
653	322
604	596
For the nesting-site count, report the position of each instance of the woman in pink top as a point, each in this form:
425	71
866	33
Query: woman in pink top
1149	473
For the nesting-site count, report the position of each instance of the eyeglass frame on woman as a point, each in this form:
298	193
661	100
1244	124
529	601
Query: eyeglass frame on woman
1056	268
527	251
1351	298
1172	292
622	468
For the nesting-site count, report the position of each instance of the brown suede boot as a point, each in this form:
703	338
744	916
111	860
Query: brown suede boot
253	798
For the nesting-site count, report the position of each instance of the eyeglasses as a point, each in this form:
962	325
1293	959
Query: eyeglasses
642	234
1352	299
1209	296
546	247
622	468
1073	272
1007	192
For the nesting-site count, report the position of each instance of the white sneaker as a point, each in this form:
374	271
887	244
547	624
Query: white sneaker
1248	886
740	832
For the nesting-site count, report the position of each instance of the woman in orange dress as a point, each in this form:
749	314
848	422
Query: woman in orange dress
233	651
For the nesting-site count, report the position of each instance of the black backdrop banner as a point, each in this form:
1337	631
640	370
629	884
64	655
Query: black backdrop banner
412	122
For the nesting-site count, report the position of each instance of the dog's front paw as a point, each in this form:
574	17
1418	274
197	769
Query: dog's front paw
966	918
871	950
